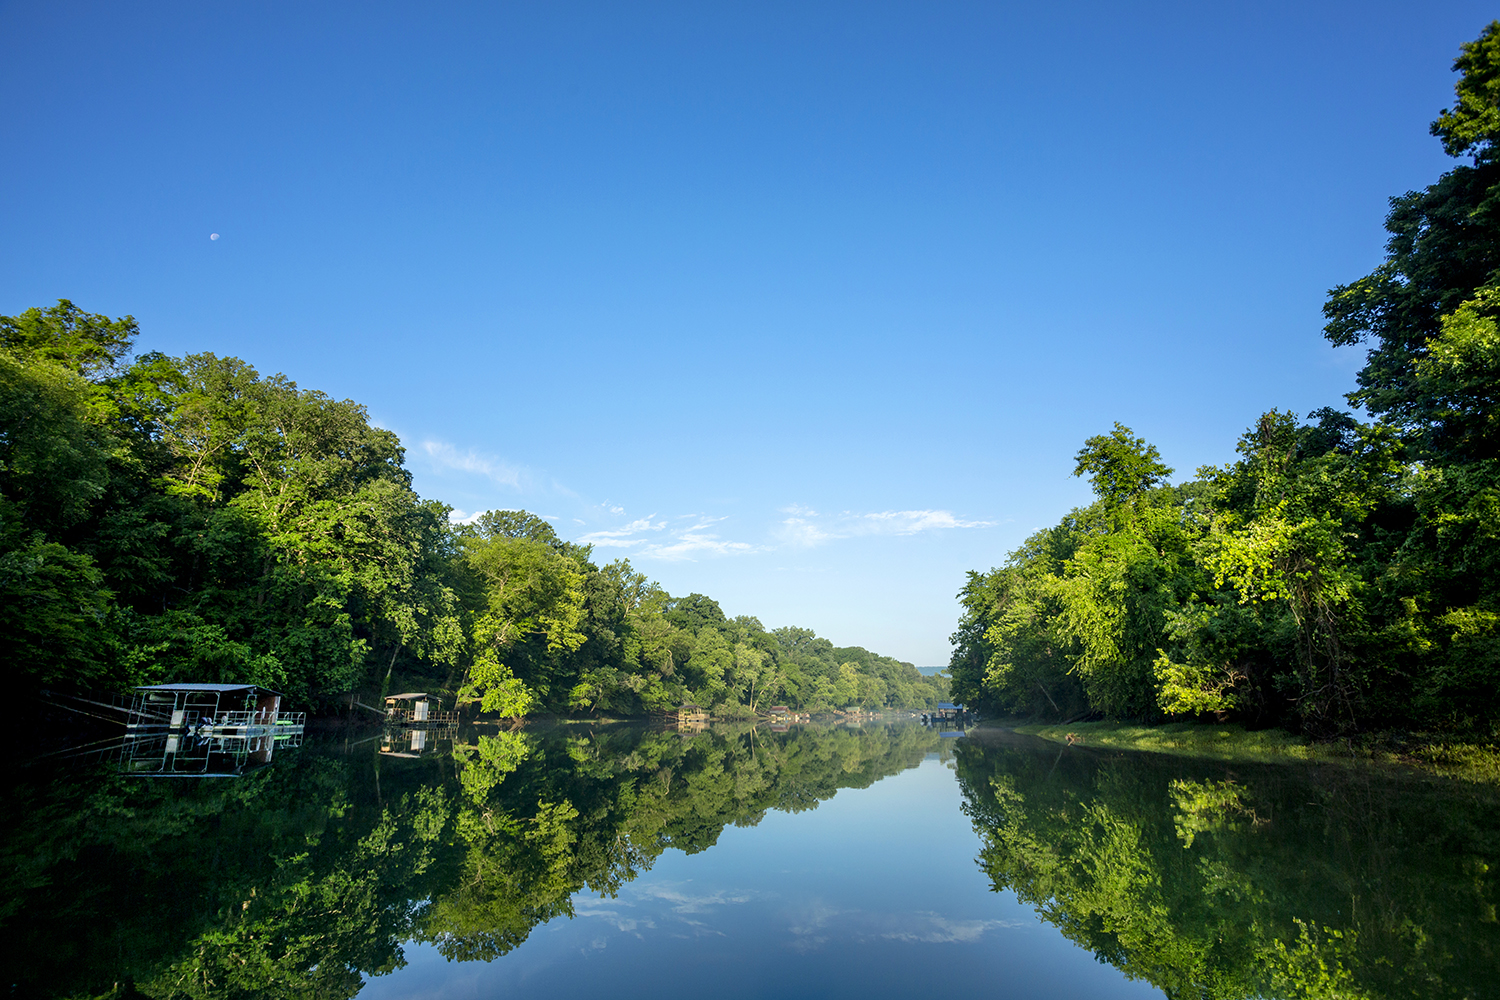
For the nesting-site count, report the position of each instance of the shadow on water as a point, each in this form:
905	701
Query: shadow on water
306	877
1245	880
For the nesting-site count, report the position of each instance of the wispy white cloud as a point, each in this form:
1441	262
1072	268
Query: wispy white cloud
799	532
804	527
447	457
664	540
687	544
798	510
621	537
686	537
457	516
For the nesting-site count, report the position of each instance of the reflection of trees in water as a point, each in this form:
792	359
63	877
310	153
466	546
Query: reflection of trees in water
301	880
1211	880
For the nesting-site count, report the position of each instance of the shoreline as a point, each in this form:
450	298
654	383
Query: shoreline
1445	756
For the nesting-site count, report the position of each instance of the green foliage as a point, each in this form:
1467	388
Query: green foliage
1337	577
1240	880
53	610
1458	380
89	345
1319	583
1443	251
189	519
1075	623
552	631
1120	465
1473	125
310	877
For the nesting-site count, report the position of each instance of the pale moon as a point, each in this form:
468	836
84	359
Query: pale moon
213	236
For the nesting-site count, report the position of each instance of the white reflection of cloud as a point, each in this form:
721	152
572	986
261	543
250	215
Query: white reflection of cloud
811	928
606	910
686	902
931	928
803	945
816	918
821	924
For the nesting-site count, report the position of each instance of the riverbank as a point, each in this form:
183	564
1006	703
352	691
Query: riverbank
1466	760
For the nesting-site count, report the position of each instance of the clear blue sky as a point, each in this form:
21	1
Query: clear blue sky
805	306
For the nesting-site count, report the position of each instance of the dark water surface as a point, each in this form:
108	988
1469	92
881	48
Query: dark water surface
625	861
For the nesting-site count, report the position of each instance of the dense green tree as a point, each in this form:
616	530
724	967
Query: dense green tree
188	518
1338	576
307	878
169	517
1444	249
54	466
90	345
1210	880
1120	466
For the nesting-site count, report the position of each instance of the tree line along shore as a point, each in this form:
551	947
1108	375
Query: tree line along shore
1342	575
188	519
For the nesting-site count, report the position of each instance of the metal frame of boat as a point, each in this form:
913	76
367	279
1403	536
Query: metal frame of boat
417	709
206	730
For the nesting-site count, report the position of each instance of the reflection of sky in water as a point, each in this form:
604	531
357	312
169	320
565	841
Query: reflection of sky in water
874	892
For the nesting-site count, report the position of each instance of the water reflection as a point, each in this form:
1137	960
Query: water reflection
193	730
307	877
1210	880
341	862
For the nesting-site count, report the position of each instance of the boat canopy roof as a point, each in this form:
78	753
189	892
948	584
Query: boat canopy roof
202	687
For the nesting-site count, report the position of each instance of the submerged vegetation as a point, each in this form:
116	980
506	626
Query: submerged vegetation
187	518
1340	576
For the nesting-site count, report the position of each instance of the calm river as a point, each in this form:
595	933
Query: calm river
886	860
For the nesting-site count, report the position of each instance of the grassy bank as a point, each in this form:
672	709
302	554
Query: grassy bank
1467	760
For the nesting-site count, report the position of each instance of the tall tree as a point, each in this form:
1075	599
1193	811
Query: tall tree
1444	247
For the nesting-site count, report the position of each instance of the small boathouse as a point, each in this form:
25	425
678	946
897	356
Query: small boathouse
417	709
206	730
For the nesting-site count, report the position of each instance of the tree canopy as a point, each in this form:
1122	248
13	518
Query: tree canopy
1340	575
191	519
